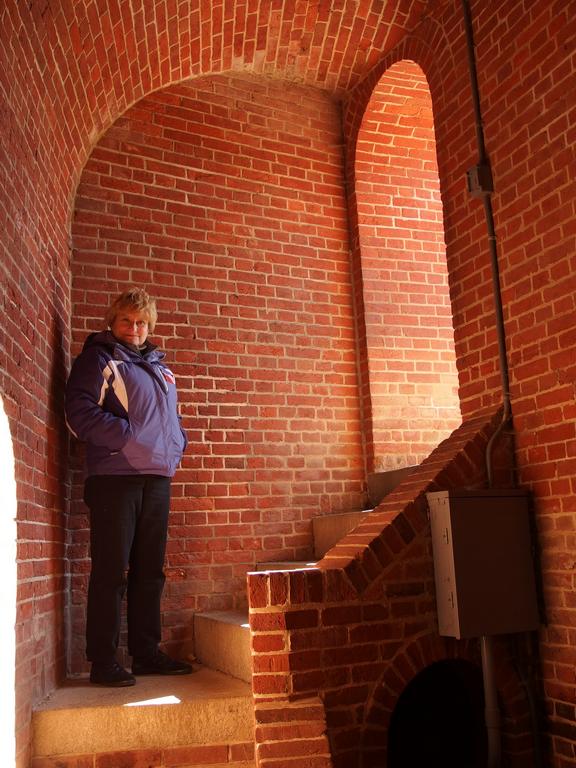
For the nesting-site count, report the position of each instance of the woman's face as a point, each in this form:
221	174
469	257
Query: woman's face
130	327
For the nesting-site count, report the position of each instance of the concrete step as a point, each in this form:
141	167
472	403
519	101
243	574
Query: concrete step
285	565
222	638
222	642
329	529
380	484
205	709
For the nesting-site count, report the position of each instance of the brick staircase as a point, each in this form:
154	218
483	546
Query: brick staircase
222	638
205	719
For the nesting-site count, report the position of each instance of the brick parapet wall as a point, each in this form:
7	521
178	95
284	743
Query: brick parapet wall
302	725
364	620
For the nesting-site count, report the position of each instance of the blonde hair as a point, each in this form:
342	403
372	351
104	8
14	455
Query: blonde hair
133	300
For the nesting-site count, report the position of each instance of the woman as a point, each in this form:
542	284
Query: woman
121	401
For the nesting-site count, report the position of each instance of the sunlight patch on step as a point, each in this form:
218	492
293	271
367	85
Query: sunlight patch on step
159	700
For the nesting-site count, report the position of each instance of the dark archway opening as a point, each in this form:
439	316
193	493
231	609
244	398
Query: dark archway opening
439	719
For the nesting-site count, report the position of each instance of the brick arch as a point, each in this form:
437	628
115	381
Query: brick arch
106	62
407	663
419	48
118	95
421	653
210	193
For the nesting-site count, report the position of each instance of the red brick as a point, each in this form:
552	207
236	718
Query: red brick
141	758
269	684
72	761
279	210
195	755
268	643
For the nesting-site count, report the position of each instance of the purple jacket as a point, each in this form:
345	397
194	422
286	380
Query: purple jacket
123	405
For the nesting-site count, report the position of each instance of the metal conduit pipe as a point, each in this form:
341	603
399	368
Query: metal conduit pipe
484	189
482	186
491	708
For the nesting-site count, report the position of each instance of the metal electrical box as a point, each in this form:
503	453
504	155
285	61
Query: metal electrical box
483	567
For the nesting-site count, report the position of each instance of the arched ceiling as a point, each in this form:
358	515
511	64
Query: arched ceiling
324	43
69	68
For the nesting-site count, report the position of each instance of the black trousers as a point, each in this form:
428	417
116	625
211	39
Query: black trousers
128	529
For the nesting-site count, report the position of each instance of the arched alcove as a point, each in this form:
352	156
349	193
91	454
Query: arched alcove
223	196
410	360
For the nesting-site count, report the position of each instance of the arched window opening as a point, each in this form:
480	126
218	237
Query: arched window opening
410	362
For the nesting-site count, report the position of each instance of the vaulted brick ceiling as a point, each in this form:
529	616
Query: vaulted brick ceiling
325	43
74	66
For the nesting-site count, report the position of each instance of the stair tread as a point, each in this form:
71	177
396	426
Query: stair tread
285	565
204	683
238	617
328	530
159	711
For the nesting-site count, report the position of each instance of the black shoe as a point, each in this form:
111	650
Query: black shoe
159	664
110	673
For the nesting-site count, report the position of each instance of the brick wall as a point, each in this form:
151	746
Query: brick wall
534	161
67	72
526	73
34	342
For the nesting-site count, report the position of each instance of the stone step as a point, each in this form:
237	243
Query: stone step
222	642
329	529
380	484
285	565
206	710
